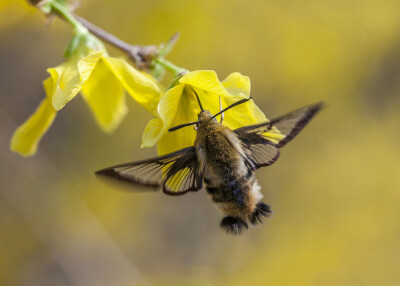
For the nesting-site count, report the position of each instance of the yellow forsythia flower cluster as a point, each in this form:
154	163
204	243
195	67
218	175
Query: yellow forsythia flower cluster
102	82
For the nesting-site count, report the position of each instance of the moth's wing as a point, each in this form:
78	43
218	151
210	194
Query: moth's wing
263	140
283	129
160	171
183	176
259	151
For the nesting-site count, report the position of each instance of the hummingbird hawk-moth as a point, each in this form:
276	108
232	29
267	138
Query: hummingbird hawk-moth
224	160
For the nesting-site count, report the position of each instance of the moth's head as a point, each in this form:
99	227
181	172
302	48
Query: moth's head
205	118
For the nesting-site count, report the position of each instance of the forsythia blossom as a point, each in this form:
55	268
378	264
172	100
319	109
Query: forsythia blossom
102	81
179	105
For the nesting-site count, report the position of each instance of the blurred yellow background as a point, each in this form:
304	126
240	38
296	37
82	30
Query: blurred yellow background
335	190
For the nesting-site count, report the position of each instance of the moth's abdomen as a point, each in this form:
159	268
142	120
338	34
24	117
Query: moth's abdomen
230	188
236	195
229	179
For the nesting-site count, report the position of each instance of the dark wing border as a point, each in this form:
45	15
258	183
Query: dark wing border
300	117
190	177
260	152
172	163
259	149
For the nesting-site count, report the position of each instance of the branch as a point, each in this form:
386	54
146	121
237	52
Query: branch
140	55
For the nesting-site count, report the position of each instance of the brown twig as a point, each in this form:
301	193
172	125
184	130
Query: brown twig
140	55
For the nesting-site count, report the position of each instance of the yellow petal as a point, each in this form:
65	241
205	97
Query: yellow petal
152	132
237	87
139	85
167	109
245	114
234	88
172	141
237	84
205	80
26	138
209	101
248	113
105	96
69	77
186	112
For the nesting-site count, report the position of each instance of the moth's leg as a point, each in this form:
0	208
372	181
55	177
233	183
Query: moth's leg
220	109
261	210
233	225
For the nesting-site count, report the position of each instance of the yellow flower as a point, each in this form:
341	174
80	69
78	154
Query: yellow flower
102	81
179	105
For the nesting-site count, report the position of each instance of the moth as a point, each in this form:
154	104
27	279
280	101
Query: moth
222	159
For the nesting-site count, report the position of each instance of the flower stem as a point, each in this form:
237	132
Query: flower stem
170	66
135	52
63	12
142	56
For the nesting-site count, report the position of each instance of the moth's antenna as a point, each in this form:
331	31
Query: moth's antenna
182	125
233	105
198	99
220	108
191	123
